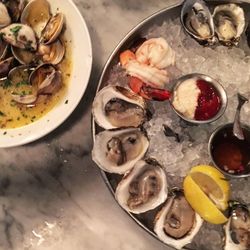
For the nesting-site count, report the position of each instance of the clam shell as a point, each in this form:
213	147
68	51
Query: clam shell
36	14
52	53
5	19
52	29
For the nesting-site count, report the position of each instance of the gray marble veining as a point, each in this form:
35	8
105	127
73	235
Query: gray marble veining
51	194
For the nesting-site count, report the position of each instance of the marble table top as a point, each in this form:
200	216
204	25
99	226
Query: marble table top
52	195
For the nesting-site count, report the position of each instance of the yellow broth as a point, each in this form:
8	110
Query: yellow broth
14	115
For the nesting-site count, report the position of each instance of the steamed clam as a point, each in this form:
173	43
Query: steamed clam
177	223
116	107
197	21
20	35
5	66
38	75
117	151
5	19
143	188
229	22
52	53
237	229
36	14
52	29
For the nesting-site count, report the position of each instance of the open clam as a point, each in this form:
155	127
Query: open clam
3	49
177	223
52	29
5	19
143	188
23	56
15	8
5	66
198	21
23	92
116	107
47	79
20	35
116	151
229	21
237	229
52	53
36	14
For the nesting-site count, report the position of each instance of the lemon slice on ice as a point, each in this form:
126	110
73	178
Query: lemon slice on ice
207	191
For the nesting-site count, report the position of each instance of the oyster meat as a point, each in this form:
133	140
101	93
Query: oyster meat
237	229
116	151
229	22
116	107
198	21
177	223
143	188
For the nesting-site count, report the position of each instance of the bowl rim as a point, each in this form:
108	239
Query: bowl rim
210	141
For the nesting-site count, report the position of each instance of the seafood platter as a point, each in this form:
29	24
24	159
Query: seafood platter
36	69
171	125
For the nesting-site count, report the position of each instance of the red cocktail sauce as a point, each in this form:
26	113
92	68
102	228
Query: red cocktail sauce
209	101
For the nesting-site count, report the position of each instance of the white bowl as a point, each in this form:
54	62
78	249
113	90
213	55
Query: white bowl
77	32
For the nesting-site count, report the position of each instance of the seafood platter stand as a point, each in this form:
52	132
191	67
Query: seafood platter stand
150	157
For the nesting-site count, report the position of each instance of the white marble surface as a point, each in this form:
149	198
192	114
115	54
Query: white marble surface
51	194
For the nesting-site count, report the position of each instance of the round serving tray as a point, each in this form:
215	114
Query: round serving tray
112	180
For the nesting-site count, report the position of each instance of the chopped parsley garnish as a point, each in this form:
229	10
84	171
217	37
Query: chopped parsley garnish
7	83
15	30
22	83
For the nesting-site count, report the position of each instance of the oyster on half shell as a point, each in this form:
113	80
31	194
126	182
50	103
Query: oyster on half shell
197	21
116	107
177	223
237	229
116	151
229	22
143	188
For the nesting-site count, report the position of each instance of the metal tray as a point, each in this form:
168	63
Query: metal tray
144	220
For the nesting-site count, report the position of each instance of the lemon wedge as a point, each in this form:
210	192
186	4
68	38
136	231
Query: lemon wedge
207	191
213	183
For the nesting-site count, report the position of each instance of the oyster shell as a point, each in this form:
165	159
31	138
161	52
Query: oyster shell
142	188
115	107
237	229
116	151
177	223
36	14
20	35
229	22
5	19
197	21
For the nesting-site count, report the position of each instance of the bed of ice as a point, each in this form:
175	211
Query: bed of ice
231	67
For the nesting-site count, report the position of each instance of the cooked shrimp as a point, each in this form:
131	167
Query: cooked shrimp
156	52
150	75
